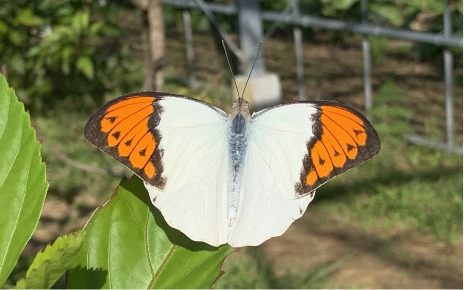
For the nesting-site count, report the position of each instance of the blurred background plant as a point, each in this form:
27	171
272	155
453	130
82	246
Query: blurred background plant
57	50
47	47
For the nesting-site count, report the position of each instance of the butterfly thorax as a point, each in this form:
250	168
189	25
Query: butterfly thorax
240	106
237	148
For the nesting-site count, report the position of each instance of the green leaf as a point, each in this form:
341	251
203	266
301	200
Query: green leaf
84	65
3	27
80	21
76	23
332	7
66	52
129	245
22	179
34	51
18	63
49	265
27	17
84	19
16	37
110	31
95	28
65	67
389	11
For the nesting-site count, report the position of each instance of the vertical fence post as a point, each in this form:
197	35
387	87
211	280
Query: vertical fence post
189	47
366	48
297	38
448	70
251	33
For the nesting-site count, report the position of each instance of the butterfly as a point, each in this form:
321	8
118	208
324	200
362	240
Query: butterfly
235	178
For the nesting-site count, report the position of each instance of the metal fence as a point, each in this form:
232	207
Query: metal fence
250	30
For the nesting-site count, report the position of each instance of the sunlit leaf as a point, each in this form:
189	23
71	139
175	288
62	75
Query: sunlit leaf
22	179
76	23
95	28
65	67
3	27
84	65
27	17
34	51
16	37
129	245
66	52
49	265
389	12
84	19
332	7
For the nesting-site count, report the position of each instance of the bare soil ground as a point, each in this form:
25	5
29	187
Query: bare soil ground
373	259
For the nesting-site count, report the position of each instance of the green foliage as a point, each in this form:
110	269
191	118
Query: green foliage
22	179
432	127
379	47
395	13
252	270
63	47
66	50
391	114
435	205
49	265
199	21
128	244
55	50
245	272
405	187
340	9
62	134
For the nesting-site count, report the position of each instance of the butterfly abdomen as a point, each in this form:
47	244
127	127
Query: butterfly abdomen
237	149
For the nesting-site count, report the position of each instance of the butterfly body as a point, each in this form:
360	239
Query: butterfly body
238	135
239	178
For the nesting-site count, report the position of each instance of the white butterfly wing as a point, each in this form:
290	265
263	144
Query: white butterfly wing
264	210
190	131
194	155
280	135
292	150
198	207
180	147
277	141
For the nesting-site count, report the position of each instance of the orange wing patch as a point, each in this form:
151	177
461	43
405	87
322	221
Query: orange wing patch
343	139
121	110
125	129
321	160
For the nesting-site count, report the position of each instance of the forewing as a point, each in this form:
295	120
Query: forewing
126	129
308	143
178	146
293	149
158	136
194	144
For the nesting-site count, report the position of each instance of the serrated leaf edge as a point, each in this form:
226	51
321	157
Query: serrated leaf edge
61	243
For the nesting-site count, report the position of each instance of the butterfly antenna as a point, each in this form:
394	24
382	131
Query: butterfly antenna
230	68
254	62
